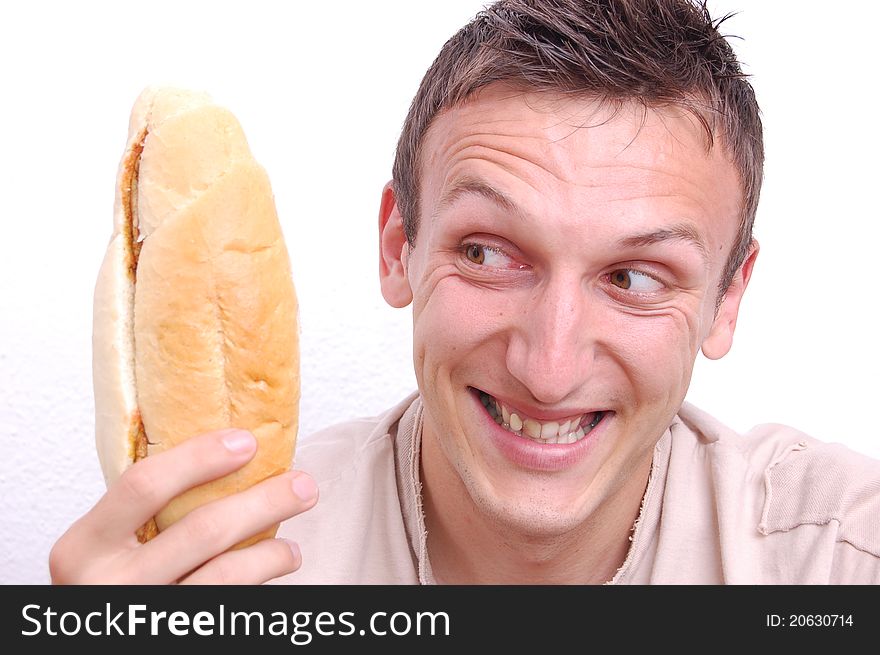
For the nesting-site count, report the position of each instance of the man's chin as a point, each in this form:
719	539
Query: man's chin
531	513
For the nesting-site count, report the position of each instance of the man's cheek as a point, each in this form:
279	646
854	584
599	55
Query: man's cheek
464	314
656	353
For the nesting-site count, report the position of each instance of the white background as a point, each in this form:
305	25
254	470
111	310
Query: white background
321	91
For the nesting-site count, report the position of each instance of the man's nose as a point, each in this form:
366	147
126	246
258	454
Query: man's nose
552	345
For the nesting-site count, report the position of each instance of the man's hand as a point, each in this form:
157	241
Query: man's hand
101	547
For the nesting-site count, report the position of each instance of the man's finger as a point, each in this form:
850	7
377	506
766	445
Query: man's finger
256	564
151	483
214	528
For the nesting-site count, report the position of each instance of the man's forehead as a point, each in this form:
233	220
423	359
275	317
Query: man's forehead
552	125
611	151
502	115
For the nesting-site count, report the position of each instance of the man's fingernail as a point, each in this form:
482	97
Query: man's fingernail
239	441
305	488
294	549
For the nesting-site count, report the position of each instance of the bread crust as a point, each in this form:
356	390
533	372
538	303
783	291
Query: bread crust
195	316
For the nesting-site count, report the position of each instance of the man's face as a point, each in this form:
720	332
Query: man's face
564	278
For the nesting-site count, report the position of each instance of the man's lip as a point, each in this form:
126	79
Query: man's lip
539	414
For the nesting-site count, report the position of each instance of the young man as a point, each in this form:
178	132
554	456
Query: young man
570	217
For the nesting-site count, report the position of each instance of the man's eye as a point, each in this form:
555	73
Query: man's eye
635	281
483	255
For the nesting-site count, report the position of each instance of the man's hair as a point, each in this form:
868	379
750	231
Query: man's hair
654	52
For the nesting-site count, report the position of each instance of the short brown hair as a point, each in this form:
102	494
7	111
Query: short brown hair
656	52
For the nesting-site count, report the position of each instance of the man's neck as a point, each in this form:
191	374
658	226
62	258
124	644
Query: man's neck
466	546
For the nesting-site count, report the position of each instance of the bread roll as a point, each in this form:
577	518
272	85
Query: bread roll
195	315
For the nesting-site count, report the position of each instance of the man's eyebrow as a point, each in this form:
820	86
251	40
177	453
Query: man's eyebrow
467	185
678	232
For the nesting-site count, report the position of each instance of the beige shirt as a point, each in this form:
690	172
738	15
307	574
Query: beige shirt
773	506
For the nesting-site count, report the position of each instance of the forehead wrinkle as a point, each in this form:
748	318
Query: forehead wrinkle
496	146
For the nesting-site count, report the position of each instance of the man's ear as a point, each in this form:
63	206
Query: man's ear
720	338
393	251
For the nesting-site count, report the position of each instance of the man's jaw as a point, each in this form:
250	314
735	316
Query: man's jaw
563	429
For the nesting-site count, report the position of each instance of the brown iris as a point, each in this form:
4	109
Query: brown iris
621	279
476	253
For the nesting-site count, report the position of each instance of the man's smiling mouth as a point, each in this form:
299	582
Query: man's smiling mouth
567	430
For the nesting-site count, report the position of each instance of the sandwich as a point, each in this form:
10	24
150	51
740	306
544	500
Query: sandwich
195	324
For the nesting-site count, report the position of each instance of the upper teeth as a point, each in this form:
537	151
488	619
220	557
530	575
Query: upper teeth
566	431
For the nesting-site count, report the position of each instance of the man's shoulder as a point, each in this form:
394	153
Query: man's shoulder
801	480
326	454
817	483
757	449
770	446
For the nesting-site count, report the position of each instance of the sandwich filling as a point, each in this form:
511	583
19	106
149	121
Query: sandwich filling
130	188
133	243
